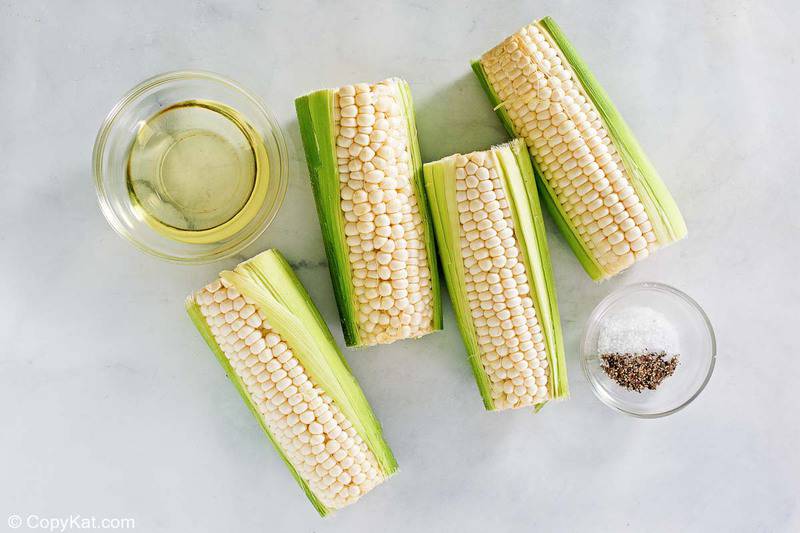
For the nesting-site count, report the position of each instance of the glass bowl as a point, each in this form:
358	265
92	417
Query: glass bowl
119	130
696	348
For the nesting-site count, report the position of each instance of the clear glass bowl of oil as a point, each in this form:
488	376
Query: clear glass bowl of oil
190	167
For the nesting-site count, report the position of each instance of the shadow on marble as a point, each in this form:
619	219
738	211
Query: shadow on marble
457	118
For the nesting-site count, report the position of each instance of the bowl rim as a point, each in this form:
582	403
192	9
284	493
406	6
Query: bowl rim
603	305
130	96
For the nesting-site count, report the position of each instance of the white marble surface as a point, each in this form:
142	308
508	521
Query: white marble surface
111	405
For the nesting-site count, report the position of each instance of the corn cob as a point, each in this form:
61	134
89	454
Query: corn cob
363	159
273	344
493	250
595	180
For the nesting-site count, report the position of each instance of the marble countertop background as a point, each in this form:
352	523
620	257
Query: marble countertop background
112	406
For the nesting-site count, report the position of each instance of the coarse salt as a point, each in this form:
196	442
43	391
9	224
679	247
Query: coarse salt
637	330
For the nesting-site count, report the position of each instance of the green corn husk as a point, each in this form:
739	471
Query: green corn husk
668	225
514	168
315	114
268	283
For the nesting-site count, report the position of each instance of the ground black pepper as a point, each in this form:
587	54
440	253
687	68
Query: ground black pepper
639	371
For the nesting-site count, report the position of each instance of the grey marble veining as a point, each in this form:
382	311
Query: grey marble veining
111	405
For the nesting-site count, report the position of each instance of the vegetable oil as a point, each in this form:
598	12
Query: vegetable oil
197	171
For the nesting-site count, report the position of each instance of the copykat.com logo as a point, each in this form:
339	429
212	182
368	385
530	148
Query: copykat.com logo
67	523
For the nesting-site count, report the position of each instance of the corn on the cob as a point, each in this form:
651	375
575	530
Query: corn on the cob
274	345
363	158
493	250
595	179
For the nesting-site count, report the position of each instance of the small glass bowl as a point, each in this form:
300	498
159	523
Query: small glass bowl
117	134
697	351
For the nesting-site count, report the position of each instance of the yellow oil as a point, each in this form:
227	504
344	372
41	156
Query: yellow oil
197	171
